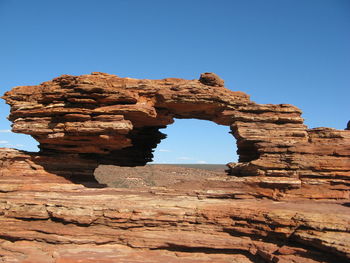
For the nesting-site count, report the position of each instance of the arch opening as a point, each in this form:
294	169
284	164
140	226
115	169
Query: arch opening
191	154
194	141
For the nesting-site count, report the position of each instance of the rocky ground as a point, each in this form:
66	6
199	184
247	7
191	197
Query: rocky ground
179	176
286	200
172	214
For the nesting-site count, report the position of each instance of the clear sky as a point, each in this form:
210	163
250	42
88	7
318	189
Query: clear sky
278	51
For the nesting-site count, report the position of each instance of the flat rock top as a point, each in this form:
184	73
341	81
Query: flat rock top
159	175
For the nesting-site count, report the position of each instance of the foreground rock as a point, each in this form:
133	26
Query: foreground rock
69	223
47	218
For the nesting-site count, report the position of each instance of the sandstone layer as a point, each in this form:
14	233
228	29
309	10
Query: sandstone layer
104	119
286	200
56	221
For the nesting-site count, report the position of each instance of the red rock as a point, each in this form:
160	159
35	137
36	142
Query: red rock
116	121
211	79
88	221
84	121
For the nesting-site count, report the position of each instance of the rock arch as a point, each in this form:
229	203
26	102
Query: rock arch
104	119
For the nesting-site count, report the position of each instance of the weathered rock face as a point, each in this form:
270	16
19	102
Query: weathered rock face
117	120
43	220
267	211
104	119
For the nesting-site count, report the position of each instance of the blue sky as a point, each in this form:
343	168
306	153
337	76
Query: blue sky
278	51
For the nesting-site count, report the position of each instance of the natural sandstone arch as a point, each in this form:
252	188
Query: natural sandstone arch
103	119
83	121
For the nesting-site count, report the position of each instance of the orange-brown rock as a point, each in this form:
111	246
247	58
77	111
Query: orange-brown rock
286	200
64	222
104	119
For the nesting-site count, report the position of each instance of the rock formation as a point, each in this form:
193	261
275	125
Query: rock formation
84	121
105	119
58	223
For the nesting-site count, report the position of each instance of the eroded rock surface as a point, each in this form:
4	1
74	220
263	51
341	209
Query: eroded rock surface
104	119
65	222
287	200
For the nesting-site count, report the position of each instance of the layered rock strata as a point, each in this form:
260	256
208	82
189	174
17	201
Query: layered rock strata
104	119
21	170
287	200
65	222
